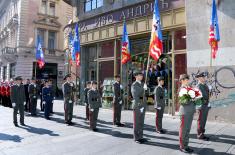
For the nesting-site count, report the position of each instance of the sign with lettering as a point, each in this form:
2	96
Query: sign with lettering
130	12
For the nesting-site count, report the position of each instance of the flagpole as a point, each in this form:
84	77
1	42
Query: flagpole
147	68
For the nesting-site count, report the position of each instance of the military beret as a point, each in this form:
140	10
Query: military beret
18	78
117	76
160	78
183	77
137	72
94	82
202	74
66	76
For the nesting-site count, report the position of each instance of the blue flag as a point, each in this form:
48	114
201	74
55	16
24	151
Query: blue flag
76	46
39	54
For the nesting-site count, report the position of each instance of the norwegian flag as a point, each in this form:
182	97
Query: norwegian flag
156	47
125	46
40	55
214	36
76	47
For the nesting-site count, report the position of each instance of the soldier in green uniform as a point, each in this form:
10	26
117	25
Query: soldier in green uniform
186	112
33	94
159	94
94	101
117	102
18	100
68	90
139	106
203	110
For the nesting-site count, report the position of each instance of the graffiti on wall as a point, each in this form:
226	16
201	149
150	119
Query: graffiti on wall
217	84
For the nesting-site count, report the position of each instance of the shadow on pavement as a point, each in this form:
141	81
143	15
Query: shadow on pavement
39	131
209	151
14	138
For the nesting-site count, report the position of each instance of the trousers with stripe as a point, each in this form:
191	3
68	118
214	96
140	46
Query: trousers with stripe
202	118
159	116
138	123
117	109
185	127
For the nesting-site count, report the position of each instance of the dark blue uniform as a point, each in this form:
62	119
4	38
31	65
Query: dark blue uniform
47	97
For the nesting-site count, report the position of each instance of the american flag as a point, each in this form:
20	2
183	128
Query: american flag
156	47
40	55
126	56
214	36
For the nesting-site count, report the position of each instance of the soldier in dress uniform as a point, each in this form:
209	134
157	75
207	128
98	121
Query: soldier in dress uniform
117	102
47	99
159	93
4	97
203	110
26	86
88	87
33	92
94	101
8	100
68	90
186	112
18	100
139	106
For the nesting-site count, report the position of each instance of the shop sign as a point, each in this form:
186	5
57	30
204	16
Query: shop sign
131	12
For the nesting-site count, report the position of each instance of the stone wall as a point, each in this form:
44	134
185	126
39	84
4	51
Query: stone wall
222	72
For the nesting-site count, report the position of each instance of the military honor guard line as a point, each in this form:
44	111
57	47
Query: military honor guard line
189	98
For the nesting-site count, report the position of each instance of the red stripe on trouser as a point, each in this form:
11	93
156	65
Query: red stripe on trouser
199	122
134	119
181	132
114	115
157	127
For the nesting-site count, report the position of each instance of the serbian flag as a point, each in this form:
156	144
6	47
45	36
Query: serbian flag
39	55
76	47
214	36
156	47
126	56
71	52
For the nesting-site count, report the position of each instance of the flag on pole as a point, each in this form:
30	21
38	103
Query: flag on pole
71	51
39	55
214	35
76	46
156	47
126	56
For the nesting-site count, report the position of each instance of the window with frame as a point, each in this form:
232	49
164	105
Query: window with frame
12	70
41	36
44	7
92	4
52	9
51	40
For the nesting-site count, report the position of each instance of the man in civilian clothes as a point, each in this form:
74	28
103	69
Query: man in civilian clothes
18	100
68	90
159	94
139	106
88	87
33	92
117	102
203	110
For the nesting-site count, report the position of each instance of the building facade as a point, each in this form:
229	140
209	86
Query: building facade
101	26
22	22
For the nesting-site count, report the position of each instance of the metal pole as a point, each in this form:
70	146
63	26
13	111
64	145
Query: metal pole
173	73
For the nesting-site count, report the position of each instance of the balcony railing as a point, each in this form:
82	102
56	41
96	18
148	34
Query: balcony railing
8	50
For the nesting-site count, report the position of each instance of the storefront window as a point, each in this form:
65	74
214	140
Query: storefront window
107	50
180	39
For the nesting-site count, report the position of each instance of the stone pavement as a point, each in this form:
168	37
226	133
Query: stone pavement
53	137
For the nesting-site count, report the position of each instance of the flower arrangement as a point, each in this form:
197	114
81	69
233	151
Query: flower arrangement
190	94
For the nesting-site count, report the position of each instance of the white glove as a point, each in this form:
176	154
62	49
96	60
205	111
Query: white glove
71	84
142	109
209	105
121	87
34	96
145	87
13	105
120	102
91	110
210	87
24	103
43	102
70	101
159	108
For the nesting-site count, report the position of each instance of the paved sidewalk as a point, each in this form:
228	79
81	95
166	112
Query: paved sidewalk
55	138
